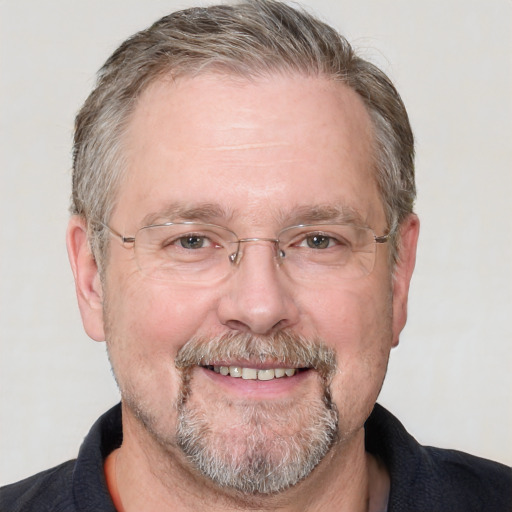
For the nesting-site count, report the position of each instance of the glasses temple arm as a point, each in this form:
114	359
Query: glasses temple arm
124	239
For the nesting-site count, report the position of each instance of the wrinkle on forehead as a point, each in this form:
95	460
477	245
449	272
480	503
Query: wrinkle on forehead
256	145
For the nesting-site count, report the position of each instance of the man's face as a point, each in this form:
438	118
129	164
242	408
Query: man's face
254	157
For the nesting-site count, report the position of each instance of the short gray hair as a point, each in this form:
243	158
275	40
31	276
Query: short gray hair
249	39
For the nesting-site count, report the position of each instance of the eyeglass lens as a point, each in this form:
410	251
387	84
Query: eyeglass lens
206	253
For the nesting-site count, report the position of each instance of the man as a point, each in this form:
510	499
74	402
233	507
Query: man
243	238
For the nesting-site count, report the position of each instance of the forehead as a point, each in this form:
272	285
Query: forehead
252	149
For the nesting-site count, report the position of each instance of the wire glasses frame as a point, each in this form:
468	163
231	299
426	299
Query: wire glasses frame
201	252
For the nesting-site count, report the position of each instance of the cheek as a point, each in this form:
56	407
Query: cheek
146	325
148	315
350	318
157	315
357	322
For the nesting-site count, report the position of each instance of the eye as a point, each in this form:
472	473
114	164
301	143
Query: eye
318	241
321	241
193	242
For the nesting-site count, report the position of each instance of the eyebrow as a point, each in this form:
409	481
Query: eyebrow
212	212
324	214
200	212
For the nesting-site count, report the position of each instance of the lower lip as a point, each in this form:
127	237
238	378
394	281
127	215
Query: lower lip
248	388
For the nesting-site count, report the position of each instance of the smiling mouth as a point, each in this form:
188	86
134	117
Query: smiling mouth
254	373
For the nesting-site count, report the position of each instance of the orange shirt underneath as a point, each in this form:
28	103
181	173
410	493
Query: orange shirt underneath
110	474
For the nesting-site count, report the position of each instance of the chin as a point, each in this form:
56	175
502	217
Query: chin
257	448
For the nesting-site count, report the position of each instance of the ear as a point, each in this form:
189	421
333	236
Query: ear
87	279
409	231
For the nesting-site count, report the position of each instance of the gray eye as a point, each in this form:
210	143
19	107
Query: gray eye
193	242
318	241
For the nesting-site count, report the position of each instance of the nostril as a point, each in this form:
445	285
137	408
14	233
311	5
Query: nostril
282	324
236	325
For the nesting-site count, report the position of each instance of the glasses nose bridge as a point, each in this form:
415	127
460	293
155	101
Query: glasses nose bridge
236	257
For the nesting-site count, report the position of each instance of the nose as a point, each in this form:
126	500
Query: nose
258	297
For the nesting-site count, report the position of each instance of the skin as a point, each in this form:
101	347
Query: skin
265	152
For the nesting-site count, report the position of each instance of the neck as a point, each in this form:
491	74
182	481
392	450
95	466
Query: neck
151	478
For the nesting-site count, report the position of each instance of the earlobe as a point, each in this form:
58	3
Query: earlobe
88	284
409	232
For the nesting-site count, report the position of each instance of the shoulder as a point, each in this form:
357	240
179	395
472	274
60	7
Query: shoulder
49	490
76	485
433	479
469	481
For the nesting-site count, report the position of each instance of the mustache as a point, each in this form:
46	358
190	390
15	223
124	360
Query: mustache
283	348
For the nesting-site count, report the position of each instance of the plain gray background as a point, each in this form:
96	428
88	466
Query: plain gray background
450	380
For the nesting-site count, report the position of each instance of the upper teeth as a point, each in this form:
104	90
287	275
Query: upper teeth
253	373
